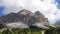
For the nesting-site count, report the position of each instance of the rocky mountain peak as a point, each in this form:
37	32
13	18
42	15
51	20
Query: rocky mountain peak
24	16
25	12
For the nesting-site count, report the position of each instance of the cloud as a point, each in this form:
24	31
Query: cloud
46	7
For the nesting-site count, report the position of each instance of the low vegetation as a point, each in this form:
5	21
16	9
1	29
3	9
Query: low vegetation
51	30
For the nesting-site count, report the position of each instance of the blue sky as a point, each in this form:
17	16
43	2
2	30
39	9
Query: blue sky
49	8
1	10
58	1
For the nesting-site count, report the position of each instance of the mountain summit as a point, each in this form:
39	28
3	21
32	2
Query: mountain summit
24	16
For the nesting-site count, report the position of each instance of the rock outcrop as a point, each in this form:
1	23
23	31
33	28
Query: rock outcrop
16	25
26	17
40	18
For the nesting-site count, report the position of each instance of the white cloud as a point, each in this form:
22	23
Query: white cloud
47	7
58	14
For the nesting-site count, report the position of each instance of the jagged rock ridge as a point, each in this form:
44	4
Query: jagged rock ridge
24	16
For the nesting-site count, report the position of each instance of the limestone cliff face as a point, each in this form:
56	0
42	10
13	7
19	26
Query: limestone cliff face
40	18
25	12
26	17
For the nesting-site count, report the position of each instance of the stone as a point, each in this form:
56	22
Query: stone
10	26
23	17
25	12
27	16
40	18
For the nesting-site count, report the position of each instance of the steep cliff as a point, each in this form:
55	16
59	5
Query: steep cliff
26	17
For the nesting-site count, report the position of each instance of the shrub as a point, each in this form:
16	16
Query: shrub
6	32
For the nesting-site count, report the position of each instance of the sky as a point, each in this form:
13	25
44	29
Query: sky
1	9
49	8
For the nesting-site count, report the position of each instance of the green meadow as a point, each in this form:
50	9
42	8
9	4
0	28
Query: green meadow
51	30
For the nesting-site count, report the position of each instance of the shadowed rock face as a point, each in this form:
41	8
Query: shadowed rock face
24	16
40	18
